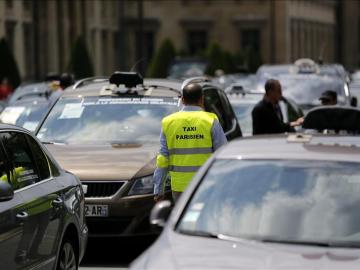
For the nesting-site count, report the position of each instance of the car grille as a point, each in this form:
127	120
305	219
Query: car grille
102	189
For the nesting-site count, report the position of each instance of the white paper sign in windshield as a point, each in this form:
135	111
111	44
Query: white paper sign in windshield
30	125
72	110
11	114
147	101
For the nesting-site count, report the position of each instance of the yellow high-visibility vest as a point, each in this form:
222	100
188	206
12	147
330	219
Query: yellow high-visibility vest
189	141
14	175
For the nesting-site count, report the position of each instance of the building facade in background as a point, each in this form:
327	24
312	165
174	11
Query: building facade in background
41	34
122	34
281	31
349	33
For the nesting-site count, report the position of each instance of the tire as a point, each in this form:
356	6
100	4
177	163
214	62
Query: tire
68	258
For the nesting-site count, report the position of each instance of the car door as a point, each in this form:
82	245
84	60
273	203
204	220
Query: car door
10	226
215	103
290	111
30	177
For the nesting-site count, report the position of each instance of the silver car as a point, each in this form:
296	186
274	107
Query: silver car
267	202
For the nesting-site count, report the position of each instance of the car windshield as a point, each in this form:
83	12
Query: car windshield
288	200
243	115
306	90
26	114
187	69
103	120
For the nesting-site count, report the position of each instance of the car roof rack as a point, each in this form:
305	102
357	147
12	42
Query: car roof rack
194	80
154	85
239	89
333	118
82	82
45	94
129	79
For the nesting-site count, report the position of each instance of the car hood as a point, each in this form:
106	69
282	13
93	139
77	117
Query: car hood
106	162
174	251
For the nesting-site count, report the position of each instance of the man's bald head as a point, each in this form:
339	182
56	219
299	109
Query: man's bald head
192	94
273	92
271	85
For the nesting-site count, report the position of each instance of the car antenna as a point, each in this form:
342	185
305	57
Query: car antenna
136	63
321	55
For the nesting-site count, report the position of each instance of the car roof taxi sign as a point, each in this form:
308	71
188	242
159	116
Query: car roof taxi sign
129	79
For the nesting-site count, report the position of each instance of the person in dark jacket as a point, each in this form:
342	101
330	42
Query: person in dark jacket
266	115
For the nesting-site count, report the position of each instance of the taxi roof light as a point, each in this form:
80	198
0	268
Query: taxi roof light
306	65
129	79
333	118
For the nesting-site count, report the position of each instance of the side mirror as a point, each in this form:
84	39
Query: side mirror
353	102
160	213
6	191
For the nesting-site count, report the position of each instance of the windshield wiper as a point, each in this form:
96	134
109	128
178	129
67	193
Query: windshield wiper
294	242
199	233
53	142
334	244
47	142
348	244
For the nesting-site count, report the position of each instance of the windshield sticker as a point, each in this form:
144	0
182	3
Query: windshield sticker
11	114
149	101
191	216
30	125
72	110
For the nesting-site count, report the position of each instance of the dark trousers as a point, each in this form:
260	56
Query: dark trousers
176	195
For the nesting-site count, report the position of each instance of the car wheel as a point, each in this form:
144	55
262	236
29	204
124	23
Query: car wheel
67	256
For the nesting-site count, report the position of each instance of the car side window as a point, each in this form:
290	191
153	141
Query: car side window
23	171
41	160
213	104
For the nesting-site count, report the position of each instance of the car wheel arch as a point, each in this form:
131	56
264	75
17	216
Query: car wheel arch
70	234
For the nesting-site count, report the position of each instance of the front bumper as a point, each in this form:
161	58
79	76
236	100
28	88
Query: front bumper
84	233
127	216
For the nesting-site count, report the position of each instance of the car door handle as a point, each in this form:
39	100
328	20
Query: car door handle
57	202
22	215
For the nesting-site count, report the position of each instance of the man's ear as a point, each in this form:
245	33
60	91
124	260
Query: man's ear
201	101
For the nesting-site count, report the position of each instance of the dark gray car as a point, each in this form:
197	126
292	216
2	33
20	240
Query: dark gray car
109	138
41	206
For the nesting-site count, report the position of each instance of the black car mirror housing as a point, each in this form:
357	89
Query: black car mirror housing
353	101
6	191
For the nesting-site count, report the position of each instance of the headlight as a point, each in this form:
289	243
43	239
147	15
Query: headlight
143	185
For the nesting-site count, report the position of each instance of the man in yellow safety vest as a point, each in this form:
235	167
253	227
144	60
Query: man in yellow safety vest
188	138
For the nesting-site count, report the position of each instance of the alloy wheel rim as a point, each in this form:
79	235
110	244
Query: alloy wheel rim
67	258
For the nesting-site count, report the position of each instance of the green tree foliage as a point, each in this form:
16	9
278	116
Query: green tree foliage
248	59
218	58
253	59
80	63
159	65
8	67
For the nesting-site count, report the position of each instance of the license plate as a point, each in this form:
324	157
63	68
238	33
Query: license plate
95	210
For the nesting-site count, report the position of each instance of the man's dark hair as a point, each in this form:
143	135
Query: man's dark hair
192	93
66	80
329	95
270	85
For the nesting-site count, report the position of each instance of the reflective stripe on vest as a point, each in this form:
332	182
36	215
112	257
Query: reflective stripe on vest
188	138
